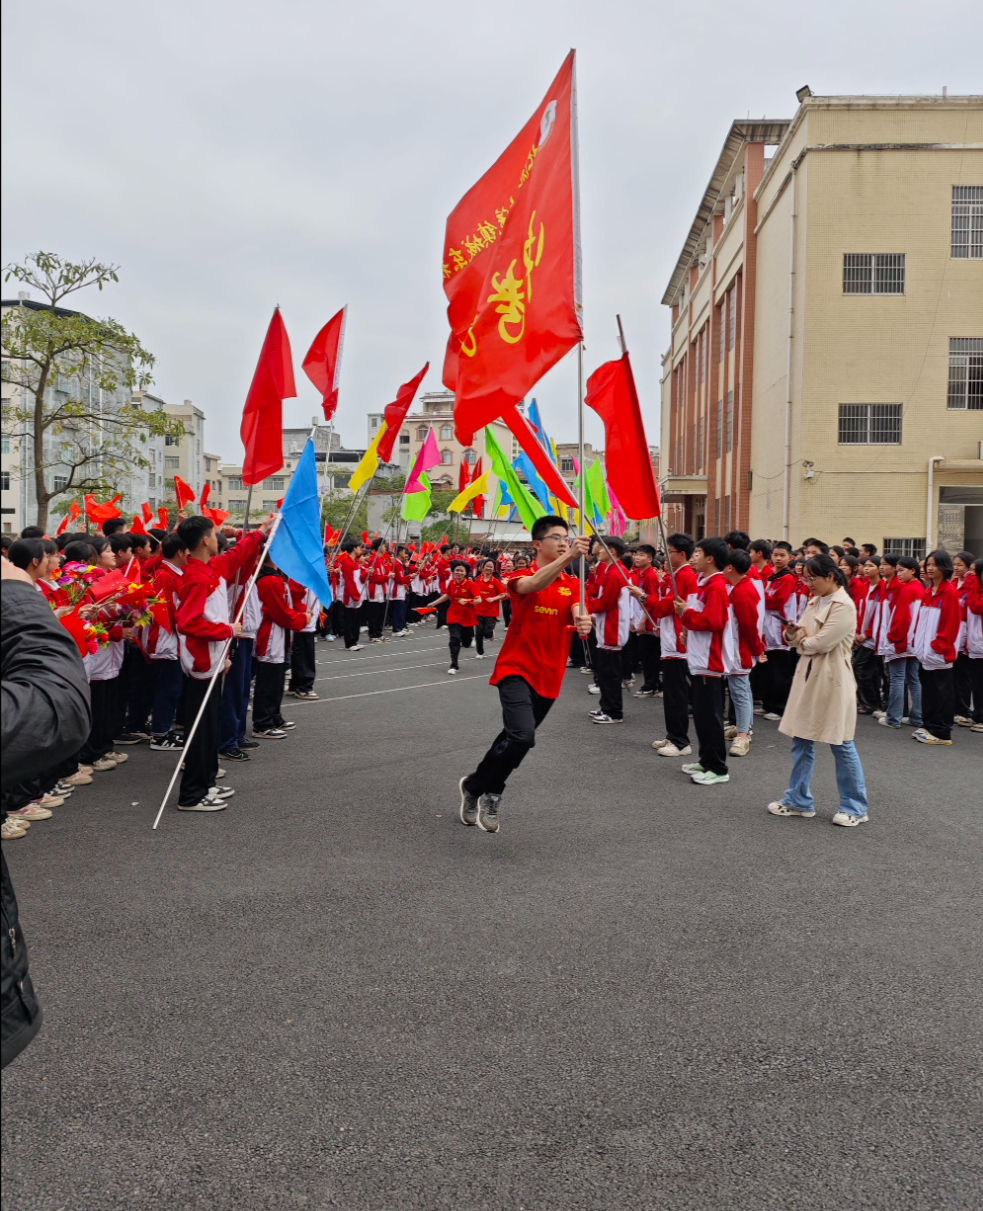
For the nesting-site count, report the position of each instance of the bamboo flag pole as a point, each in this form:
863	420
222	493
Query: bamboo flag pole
219	669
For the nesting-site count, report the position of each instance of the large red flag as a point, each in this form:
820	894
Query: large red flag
395	414
611	393
262	418
322	364
511	269
183	493
98	513
477	502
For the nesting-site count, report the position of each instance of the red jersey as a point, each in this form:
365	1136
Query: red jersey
537	643
492	587
461	608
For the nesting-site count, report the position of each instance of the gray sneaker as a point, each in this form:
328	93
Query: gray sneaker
488	812
469	805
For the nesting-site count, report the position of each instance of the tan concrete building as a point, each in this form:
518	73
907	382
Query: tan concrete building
826	369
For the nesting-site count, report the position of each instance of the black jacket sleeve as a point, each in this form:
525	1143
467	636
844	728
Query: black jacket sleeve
45	695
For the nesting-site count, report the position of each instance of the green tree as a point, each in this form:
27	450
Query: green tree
58	359
334	511
444	522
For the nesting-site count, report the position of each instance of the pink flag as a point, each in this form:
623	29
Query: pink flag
428	457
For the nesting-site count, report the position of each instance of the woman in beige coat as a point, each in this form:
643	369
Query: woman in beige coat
822	705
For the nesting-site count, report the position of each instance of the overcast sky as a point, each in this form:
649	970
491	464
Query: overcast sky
232	156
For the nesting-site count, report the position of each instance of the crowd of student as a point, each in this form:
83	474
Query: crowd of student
714	628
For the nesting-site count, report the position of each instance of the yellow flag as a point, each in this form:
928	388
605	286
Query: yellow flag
369	464
478	488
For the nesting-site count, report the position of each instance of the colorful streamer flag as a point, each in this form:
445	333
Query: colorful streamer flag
590	509
369	464
322	363
511	266
598	488
184	493
262	417
477	487
98	513
428	457
416	504
523	463
611	393
296	546
529	508
395	413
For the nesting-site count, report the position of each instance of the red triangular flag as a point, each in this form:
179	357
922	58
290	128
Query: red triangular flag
395	414
322	363
162	616
163	518
462	476
218	516
106	585
74	512
203	501
98	513
138	527
183	492
148	513
611	393
477	502
63	526
262	417
365	538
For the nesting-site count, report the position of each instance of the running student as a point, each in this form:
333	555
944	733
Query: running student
530	666
460	598
487	609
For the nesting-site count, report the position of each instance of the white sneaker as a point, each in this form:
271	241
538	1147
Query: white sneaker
593	689
478	656
586	670
208	804
356	647
602	718
880	714
847	820
221	792
670	750
660	743
772	716
884	723
963	721
452	672
780	808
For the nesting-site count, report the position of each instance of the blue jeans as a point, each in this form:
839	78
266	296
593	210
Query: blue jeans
235	697
904	673
398	615
740	694
167	695
849	777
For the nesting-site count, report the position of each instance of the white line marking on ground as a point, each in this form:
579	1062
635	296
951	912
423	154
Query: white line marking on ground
433	664
399	689
380	655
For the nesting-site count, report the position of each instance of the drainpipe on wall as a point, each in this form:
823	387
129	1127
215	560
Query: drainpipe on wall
787	475
930	518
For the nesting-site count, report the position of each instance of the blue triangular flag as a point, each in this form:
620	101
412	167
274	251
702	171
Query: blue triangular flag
297	545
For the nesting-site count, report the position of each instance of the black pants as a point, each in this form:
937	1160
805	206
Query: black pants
650	651
139	675
201	755
351	624
105	698
303	670
607	674
629	657
868	668
675	700
962	683
337	617
708	719
938	702
442	614
268	695
460	637
777	682
523	710
168	684
484	629
506	611
377	610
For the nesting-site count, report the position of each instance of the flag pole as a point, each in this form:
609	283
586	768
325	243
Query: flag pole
219	669
583	475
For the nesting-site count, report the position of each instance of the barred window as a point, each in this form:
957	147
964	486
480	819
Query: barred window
966	373
904	546
270	505
731	317
870	425
566	465
446	433
730	421
873	272
275	483
967	221
172	462
5	481
169	440
233	483
720	427
60	483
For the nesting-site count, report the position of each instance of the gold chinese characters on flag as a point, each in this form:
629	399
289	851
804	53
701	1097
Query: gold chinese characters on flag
511	267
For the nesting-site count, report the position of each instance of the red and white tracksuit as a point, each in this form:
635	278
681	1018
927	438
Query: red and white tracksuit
746	623
278	618
709	644
610	603
203	619
937	627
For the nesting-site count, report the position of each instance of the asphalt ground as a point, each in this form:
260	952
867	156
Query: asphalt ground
641	993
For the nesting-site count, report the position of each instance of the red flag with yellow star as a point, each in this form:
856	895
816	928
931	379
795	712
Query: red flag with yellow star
511	268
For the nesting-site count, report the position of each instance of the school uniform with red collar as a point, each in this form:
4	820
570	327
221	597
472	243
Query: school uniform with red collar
899	617
279	616
746	623
709	652
646	627
672	640
934	643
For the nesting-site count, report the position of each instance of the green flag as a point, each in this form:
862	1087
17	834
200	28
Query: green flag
416	505
530	510
598	489
590	509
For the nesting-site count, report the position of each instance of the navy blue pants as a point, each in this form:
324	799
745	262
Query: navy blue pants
235	696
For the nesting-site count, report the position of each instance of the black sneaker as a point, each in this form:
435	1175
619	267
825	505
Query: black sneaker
247	743
209	804
287	724
167	744
469	805
234	754
488	813
132	737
